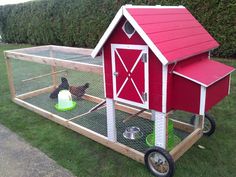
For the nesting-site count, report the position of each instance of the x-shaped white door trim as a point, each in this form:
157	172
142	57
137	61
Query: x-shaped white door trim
116	93
132	69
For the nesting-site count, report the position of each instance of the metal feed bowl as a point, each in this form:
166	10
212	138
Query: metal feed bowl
132	133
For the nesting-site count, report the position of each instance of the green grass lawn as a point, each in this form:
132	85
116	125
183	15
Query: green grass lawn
84	157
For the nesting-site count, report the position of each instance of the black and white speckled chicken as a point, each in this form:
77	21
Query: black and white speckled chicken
79	91
63	86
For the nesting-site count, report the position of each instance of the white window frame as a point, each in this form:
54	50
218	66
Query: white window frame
123	28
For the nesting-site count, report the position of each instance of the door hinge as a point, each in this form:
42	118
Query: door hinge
144	57
144	96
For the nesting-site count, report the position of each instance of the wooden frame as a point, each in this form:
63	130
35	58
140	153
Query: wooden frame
125	150
74	65
176	152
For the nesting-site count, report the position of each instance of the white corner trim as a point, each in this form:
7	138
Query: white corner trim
202	101
144	36
229	84
104	75
164	87
177	73
107	33
186	77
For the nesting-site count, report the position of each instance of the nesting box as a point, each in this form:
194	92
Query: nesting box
158	58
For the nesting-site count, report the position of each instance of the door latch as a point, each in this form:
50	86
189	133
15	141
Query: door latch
115	73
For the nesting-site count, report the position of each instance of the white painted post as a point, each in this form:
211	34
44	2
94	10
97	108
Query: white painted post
200	123
111	120
160	129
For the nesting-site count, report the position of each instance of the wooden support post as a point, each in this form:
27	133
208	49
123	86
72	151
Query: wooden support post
53	69
160	129
182	147
146	115
10	76
111	120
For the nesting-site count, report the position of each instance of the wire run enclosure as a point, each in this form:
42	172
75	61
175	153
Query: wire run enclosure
33	73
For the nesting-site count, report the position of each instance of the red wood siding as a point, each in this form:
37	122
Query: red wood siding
155	83
169	88
216	92
175	32
171	68
117	37
108	72
185	95
155	67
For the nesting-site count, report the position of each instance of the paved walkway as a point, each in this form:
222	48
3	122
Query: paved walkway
19	159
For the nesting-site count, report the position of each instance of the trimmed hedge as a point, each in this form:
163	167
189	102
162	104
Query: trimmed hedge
82	22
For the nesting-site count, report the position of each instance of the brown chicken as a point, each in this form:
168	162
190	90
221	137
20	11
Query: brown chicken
78	91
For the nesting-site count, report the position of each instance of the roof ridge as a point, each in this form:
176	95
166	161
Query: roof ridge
156	6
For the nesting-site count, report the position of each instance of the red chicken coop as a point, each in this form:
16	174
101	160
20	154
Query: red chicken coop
158	59
152	60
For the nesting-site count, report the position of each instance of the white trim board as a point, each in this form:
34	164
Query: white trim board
229	84
145	37
104	75
202	101
200	83
108	32
123	12
164	87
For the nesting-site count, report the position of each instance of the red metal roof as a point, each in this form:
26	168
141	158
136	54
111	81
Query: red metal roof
174	31
204	71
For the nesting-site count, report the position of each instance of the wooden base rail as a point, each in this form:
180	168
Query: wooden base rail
176	153
182	147
35	93
123	149
146	115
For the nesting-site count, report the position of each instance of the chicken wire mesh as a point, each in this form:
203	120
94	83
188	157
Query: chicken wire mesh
29	76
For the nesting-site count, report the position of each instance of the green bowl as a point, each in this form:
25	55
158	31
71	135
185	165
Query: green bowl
66	109
150	141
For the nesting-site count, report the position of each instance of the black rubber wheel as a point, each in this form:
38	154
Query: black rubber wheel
159	162
209	124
